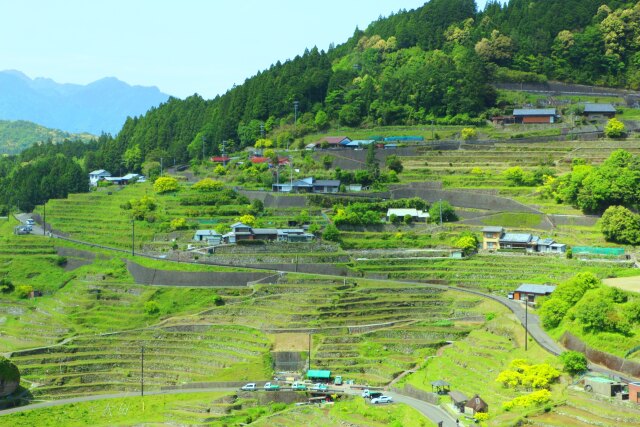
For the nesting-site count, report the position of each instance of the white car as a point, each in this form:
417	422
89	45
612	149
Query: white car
381	399
30	221
249	387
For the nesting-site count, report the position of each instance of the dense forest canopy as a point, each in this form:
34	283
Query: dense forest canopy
436	63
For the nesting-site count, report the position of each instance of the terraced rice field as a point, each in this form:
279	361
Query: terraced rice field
491	272
172	356
96	217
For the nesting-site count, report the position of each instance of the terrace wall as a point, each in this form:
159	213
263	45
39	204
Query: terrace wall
152	276
611	361
271	200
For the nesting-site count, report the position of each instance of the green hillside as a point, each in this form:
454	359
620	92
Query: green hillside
15	136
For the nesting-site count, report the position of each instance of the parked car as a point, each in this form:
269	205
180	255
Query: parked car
381	399
320	387
271	387
370	394
298	386
338	380
30	221
249	387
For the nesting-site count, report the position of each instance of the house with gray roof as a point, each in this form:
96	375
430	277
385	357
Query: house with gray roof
240	231
308	185
211	237
497	238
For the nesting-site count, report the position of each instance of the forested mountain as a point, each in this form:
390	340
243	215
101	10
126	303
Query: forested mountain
435	63
15	136
101	106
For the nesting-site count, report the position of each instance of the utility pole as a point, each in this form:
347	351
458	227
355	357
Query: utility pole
309	351
224	153
526	321
262	130
440	203
142	371
133	237
44	219
161	169
295	120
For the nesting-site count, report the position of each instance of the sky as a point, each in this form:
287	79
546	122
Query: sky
181	46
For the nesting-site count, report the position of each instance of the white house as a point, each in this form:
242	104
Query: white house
97	175
416	214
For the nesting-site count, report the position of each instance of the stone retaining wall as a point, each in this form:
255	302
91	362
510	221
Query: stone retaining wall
611	361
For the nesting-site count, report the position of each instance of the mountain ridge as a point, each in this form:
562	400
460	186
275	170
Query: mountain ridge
97	107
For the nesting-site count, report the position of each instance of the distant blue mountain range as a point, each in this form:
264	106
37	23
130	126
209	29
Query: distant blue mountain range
101	106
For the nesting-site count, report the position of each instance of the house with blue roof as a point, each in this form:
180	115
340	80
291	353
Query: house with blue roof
528	292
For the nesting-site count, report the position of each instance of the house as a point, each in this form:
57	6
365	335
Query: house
240	231
326	186
524	241
534	115
599	111
212	237
491	238
292	235
308	185
496	238
528	292
475	405
416	215
550	246
458	399
97	175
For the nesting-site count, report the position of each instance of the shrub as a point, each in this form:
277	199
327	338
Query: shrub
220	170
537	398
448	213
468	133
165	184
61	261
23	291
614	128
481	416
151	307
218	300
6	286
574	362
247	219
178	224
331	233
208	184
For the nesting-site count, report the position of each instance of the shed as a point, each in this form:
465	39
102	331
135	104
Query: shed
476	404
599	111
534	115
440	387
532	291
459	399
634	392
416	215
318	374
606	387
326	186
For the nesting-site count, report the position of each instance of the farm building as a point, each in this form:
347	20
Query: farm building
357	143
318	374
475	405
332	141
599	111
534	115
211	237
458	399
606	387
416	215
528	292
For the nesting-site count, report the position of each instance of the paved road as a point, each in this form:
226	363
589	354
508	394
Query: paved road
433	412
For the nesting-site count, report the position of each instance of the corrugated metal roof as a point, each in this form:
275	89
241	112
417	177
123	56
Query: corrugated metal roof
546	242
316	373
401	212
327	183
536	289
516	238
534	112
492	229
599	108
458	396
